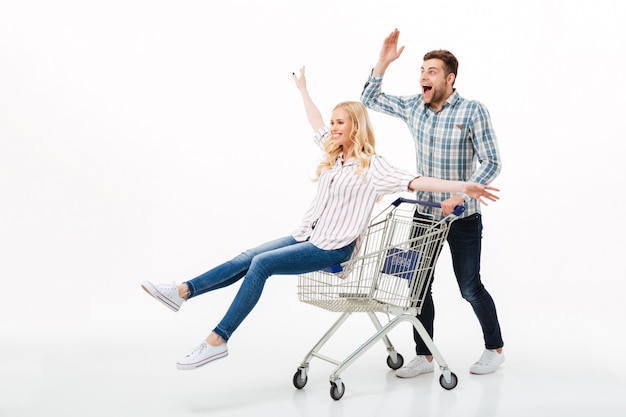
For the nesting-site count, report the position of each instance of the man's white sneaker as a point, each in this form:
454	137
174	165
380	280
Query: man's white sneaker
489	361
165	293
202	355
419	365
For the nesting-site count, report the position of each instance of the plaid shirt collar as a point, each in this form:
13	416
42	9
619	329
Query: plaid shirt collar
451	101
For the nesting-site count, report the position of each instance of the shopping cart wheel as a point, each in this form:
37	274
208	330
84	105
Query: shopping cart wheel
397	364
448	385
337	389
300	379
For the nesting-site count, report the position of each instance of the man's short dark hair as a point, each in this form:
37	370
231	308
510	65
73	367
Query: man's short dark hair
449	60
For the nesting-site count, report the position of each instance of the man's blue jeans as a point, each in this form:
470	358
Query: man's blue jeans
464	241
283	256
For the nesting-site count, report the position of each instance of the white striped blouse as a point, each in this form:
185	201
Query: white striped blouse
343	205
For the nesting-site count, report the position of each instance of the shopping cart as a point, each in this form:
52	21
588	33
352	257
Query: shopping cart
390	275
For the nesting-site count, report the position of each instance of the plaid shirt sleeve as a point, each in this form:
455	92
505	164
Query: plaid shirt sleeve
373	98
485	146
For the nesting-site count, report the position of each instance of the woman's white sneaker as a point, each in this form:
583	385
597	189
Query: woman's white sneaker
202	355
167	294
489	361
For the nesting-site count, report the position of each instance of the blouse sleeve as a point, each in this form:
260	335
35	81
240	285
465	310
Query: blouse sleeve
321	136
388	179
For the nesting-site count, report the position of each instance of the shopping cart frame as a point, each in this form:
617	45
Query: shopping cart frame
373	283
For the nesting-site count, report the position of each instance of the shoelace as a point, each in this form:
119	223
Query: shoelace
198	350
168	290
417	362
486	358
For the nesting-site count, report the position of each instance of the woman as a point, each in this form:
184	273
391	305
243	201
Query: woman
351	177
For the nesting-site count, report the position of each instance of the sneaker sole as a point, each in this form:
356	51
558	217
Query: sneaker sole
151	289
196	365
412	374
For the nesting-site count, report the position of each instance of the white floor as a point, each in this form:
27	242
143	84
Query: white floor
123	365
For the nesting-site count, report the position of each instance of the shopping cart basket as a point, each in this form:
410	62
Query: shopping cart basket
390	275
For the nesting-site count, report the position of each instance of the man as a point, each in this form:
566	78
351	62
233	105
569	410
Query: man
451	134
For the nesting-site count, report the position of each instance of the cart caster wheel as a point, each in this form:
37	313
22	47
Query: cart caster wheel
337	389
300	379
397	364
448	385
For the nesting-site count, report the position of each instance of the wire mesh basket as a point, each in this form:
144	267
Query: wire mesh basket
394	268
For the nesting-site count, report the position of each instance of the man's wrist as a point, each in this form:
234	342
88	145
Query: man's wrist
375	74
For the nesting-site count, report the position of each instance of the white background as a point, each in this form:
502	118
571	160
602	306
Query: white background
153	139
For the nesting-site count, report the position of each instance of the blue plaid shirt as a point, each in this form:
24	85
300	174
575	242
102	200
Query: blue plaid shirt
448	143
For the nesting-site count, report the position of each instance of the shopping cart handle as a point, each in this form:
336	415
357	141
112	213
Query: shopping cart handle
458	210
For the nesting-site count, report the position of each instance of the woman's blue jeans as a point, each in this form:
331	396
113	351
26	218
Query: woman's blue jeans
464	241
283	256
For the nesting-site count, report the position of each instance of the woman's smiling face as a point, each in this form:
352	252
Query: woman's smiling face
341	129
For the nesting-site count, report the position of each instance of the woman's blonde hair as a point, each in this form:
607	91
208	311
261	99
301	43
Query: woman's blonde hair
362	136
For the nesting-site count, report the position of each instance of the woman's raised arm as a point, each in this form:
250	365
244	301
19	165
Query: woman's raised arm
312	112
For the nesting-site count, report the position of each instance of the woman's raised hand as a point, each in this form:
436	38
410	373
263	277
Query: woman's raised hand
301	80
480	192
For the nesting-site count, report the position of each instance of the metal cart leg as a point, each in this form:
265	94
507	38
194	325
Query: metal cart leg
448	379
395	360
382	332
301	376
